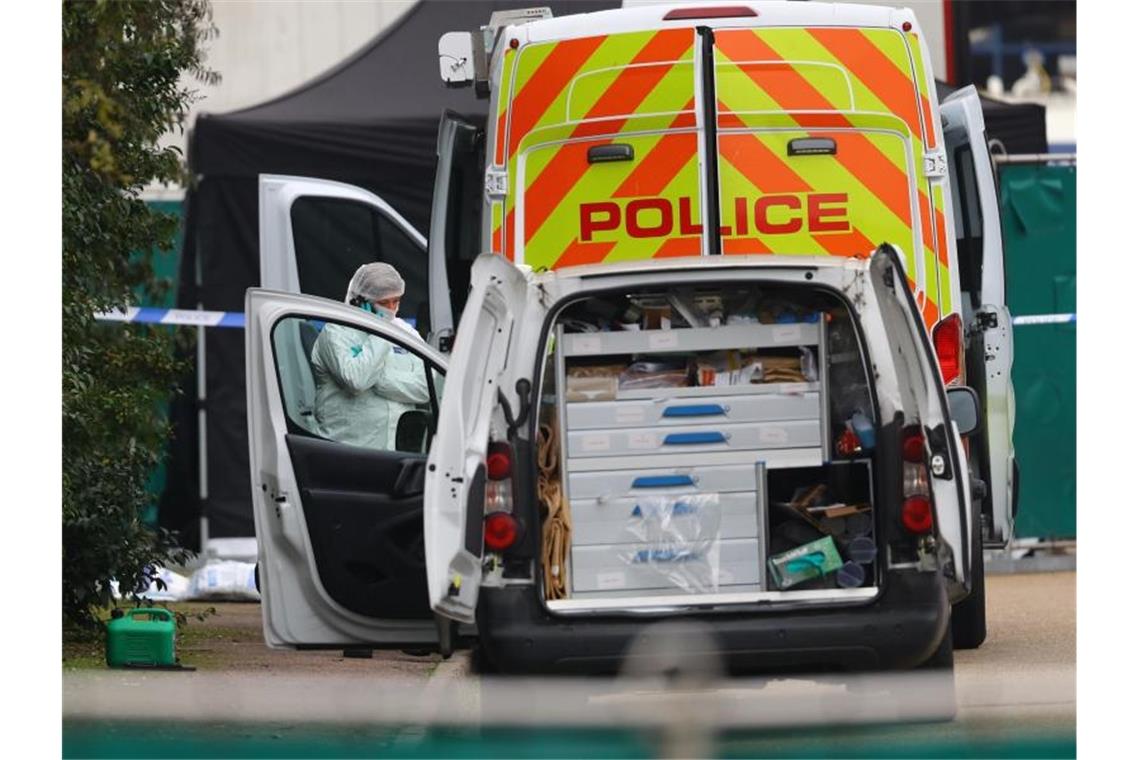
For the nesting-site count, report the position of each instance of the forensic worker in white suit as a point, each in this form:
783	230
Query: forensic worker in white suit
364	382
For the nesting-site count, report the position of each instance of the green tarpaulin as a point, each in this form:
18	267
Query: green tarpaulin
1039	228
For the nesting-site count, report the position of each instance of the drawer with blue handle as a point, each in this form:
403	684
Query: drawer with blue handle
712	436
622	520
726	565
655	481
769	407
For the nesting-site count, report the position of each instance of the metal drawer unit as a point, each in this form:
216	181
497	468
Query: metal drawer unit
744	436
680	450
631	567
778	402
623	520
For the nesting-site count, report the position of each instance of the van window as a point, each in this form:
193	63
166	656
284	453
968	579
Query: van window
968	221
602	133
322	368
333	237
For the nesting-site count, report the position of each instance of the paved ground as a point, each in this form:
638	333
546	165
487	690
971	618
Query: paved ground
1020	682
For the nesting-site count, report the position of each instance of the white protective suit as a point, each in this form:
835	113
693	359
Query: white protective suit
364	383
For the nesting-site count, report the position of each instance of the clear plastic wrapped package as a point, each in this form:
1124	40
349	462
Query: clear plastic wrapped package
679	538
653	374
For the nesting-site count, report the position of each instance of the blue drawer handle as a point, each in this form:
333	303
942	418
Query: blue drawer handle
685	439
694	410
663	481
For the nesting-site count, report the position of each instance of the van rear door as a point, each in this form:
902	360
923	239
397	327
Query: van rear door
455	222
981	261
923	395
454	486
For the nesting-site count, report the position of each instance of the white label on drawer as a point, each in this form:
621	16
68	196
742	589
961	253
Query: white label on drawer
662	339
642	440
786	332
629	414
792	389
595	443
610	581
588	344
774	435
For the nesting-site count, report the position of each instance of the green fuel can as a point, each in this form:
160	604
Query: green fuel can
142	637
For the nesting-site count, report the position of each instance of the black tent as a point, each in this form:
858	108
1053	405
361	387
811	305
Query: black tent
370	122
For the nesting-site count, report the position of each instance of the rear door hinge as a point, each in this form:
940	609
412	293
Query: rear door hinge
495	184
983	320
934	164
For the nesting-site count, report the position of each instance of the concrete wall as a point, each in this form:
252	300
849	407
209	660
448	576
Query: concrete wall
266	48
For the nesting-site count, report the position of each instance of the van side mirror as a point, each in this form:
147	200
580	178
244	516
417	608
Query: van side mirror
413	431
965	410
457	59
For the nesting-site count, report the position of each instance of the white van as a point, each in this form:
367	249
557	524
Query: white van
341	554
585	480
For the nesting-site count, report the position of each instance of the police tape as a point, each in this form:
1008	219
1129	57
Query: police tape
153	316
147	315
1045	319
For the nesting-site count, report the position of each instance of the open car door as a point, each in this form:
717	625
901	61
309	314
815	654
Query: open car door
455	485
923	396
315	233
989	332
337	508
456	219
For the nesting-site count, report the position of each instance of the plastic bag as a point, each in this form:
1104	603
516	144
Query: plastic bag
678	537
175	587
642	375
230	581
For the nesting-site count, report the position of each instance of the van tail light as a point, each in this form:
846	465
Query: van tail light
498	461
721	11
500	531
949	349
913	445
499	502
917	516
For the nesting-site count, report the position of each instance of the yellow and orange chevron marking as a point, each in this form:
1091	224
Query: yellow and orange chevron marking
866	89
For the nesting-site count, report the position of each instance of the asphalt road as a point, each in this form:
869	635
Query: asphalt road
1019	686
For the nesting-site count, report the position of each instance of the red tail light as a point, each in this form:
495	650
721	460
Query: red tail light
913	445
498	461
916	515
500	531
948	346
725	11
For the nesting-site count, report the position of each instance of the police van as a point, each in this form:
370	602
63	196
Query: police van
740	271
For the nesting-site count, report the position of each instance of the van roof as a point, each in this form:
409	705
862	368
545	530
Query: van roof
768	13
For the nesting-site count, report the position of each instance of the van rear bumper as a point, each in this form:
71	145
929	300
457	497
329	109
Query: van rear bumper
900	629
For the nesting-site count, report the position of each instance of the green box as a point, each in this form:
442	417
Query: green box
143	637
804	563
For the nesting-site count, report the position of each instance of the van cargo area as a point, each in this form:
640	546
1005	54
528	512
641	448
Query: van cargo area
708	446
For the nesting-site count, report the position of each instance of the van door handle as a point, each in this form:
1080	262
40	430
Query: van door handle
410	480
694	410
690	439
663	481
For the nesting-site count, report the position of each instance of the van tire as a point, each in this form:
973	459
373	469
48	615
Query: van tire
968	617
